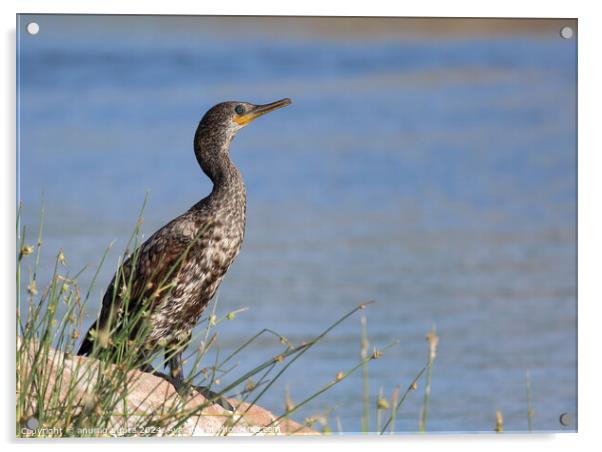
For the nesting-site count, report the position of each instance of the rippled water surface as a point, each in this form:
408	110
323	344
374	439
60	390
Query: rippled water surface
436	176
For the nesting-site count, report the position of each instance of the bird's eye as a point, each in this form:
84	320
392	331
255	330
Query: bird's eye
239	109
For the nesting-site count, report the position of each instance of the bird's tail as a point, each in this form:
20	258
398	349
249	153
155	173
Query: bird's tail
86	346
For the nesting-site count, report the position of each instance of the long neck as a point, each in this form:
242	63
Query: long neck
212	150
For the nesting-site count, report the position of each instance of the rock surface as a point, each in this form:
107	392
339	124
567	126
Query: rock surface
72	377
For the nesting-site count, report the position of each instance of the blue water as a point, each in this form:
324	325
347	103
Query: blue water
436	176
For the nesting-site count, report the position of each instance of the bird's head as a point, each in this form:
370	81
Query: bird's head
218	127
229	117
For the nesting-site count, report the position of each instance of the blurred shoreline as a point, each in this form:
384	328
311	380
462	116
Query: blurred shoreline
316	27
402	26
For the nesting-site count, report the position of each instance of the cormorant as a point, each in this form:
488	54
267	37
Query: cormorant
179	268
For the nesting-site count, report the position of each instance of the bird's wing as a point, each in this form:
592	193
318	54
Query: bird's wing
155	264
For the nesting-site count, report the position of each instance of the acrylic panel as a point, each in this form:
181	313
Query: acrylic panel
428	165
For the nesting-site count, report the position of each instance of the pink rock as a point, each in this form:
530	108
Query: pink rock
147	395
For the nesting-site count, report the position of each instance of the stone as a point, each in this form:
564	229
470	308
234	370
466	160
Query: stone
147	395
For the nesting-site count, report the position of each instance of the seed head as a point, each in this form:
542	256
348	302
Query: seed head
376	354
433	341
499	421
309	421
103	338
32	288
289	405
26	250
382	404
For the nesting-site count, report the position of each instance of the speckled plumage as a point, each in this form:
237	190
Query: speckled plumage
180	267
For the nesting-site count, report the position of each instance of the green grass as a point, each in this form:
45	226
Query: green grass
92	394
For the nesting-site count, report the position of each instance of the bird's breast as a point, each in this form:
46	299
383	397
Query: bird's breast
218	231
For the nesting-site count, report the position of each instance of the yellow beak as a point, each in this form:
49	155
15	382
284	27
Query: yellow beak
260	110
